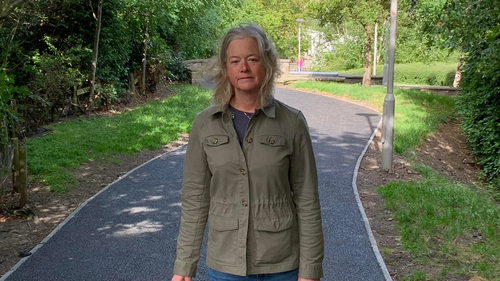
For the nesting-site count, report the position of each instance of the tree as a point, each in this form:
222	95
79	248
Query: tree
94	55
334	13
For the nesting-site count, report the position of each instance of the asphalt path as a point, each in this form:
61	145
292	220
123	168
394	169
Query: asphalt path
129	230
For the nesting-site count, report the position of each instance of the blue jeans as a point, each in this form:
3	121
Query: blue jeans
214	275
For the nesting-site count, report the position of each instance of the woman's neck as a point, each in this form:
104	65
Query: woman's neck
246	103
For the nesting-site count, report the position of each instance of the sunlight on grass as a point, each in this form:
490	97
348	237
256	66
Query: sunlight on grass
417	113
148	126
447	223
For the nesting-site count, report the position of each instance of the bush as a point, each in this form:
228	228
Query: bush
346	55
473	27
436	74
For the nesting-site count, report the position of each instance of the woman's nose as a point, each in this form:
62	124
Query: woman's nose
244	66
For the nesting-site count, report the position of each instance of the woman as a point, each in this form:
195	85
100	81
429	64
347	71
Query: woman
250	171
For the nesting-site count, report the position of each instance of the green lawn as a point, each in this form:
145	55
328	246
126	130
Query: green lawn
148	126
437	73
447	224
417	113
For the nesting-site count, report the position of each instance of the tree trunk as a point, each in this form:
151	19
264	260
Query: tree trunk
144	54
368	57
94	56
458	74
8	6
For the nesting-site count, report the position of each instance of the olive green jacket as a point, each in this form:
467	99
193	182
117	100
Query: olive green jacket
261	201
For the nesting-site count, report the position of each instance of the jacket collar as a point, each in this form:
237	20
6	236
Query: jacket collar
269	110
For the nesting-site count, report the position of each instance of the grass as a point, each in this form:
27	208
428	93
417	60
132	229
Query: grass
437	73
417	113
447	223
148	126
417	275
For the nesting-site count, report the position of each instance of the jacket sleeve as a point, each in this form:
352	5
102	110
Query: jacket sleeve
195	202
304	182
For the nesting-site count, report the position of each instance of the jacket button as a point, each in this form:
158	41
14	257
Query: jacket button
215	141
243	172
271	141
244	203
249	140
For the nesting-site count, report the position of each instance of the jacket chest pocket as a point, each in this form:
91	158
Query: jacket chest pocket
223	239
272	150
217	149
274	239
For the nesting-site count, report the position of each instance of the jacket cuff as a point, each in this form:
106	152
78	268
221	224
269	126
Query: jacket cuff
311	271
185	268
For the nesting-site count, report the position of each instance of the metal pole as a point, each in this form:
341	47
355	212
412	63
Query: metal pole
389	101
299	47
386	55
375	51
298	58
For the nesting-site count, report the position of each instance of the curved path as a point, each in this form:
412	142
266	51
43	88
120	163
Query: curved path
128	231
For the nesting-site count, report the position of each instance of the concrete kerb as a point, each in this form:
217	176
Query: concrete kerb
366	222
39	245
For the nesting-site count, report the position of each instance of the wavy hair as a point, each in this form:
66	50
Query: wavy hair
269	57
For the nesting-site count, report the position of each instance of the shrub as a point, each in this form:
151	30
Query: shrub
437	74
473	27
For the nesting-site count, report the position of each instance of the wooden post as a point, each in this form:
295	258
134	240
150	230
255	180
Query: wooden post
23	173
131	84
13	105
75	100
4	149
15	166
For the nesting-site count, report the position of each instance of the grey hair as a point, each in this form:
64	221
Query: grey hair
269	57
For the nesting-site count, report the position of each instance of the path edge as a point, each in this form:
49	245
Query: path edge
366	222
63	223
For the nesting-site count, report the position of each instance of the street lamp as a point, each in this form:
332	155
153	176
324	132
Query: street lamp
389	102
298	60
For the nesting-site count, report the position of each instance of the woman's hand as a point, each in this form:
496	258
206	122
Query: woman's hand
304	279
182	278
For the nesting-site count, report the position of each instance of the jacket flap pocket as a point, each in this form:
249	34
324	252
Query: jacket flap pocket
216	140
273	225
272	140
223	223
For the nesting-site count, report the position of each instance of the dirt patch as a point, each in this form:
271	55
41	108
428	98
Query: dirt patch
21	231
446	152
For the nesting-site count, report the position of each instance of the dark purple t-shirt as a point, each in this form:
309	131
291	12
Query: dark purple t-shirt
240	121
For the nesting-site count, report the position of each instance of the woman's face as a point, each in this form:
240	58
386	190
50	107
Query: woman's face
244	66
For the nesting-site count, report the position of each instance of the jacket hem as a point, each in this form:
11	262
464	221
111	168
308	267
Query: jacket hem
263	269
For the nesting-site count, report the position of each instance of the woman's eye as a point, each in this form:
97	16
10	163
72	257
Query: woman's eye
234	62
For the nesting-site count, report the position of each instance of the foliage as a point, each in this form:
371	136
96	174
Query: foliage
474	28
438	73
346	52
46	47
419	38
419	33
417	113
366	13
148	126
278	19
446	223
